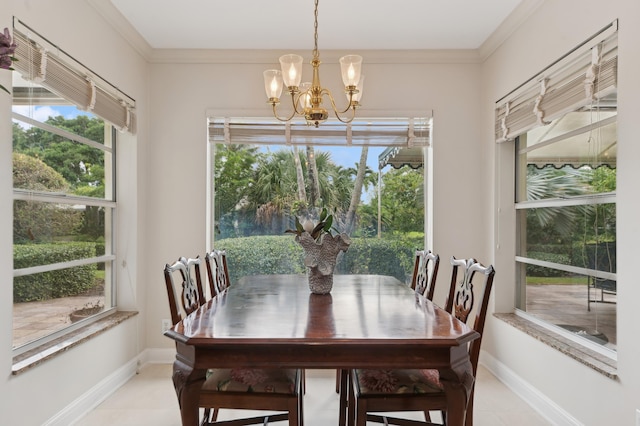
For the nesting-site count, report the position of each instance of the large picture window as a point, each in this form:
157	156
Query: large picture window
370	175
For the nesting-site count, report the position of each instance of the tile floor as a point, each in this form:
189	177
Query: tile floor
149	399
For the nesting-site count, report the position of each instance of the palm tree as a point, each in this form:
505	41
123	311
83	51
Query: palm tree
357	190
302	193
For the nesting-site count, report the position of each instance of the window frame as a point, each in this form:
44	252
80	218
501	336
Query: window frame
560	88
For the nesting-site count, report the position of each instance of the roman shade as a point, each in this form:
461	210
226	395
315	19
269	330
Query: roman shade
403	132
585	76
47	65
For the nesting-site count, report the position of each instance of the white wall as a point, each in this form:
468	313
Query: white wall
37	395
556	27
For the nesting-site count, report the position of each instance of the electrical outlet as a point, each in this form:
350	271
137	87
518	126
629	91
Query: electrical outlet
166	325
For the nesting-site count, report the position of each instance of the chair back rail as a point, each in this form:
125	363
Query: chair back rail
217	271
184	287
425	271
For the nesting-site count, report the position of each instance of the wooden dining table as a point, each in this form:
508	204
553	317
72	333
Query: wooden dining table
367	321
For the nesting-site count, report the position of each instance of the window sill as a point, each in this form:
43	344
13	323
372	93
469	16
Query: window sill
36	356
586	356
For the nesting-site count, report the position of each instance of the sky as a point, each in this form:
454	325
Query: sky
41	113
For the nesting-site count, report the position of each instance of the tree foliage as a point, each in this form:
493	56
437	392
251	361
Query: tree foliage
35	221
45	161
402	206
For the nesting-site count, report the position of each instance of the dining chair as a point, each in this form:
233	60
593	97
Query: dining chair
184	287
275	390
217	271
378	391
425	271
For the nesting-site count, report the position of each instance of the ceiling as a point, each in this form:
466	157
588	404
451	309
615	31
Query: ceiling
342	25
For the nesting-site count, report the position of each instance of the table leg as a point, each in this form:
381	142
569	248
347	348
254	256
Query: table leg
458	385
188	382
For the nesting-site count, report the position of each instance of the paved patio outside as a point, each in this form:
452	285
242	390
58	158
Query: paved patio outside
566	306
32	320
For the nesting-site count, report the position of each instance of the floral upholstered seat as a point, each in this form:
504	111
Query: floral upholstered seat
398	381
258	380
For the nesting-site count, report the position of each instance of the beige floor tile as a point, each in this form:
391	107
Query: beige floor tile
149	399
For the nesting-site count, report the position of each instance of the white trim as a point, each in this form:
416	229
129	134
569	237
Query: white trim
94	396
588	200
61	198
61	132
63	265
542	404
567	268
88	401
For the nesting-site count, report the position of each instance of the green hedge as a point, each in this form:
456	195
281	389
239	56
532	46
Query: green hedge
282	255
540	271
53	284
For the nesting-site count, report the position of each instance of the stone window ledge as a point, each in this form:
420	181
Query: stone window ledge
38	355
592	359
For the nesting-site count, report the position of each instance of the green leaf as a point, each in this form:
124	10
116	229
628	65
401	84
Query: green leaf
317	231
323	215
328	223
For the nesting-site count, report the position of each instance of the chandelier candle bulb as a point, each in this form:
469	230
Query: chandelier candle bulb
350	66
273	84
291	70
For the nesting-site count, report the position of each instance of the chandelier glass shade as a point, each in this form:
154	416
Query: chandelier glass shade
307	98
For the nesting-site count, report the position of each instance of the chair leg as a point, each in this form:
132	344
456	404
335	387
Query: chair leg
342	391
361	413
469	417
351	400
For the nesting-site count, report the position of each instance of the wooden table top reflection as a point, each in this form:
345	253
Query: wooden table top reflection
367	321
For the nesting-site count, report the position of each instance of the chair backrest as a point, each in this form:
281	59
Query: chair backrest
185	294
475	285
425	270
217	271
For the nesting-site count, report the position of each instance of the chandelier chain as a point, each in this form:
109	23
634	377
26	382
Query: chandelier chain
315	30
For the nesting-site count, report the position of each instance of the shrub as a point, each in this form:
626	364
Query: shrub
52	284
282	255
540	271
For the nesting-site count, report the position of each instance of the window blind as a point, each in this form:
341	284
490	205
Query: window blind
361	131
585	76
45	64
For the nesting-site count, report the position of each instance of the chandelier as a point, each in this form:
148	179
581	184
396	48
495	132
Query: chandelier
306	98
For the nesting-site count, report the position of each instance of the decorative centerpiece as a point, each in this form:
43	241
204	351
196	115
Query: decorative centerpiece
321	250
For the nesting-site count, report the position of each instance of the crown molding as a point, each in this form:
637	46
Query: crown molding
232	56
520	14
122	27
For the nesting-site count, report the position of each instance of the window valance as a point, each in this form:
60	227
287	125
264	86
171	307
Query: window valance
43	63
404	132
585	76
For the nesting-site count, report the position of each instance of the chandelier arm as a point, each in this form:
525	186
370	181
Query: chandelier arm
275	113
346	120
333	102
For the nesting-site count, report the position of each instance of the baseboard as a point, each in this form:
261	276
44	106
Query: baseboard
100	392
548	409
94	396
